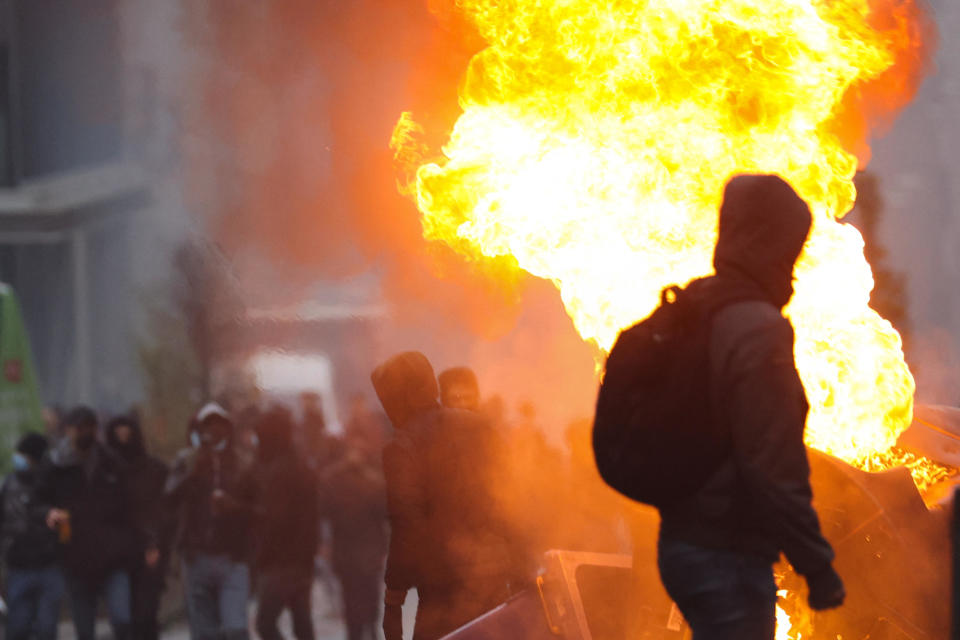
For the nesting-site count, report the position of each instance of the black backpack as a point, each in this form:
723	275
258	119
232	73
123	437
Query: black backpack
655	438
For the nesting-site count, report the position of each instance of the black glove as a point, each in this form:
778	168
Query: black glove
393	622
826	589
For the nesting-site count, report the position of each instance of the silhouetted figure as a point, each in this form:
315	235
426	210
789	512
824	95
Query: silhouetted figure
459	389
34	583
214	493
86	486
447	539
717	547
287	528
146	476
322	447
352	499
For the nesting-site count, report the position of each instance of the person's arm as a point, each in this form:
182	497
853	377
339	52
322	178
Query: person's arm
767	410
406	509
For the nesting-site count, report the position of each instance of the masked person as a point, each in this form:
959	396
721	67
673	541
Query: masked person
85	484
717	547
34	583
459	389
447	539
214	494
146	477
287	528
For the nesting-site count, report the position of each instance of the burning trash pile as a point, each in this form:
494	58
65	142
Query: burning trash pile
595	139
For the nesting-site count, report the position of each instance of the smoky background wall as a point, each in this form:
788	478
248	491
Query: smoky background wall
261	132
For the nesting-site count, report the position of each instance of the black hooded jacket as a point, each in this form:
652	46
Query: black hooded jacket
146	477
204	525
759	501
446	536
287	508
93	488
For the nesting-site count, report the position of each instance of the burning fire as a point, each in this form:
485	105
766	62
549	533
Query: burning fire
595	141
596	138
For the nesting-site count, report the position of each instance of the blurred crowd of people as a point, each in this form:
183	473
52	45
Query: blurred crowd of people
257	505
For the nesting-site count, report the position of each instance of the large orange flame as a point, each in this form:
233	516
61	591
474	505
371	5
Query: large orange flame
596	137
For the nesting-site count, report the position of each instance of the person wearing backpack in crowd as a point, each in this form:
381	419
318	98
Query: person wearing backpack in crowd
447	539
214	493
718	542
146	476
34	583
288	528
85	485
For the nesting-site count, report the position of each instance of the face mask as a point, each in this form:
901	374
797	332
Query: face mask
195	441
220	446
20	462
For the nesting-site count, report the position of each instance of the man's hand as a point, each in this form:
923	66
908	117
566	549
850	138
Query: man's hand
56	516
826	590
152	558
393	622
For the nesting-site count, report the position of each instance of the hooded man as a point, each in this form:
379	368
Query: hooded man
85	485
146	476
214	492
446	539
34	583
459	389
287	528
717	547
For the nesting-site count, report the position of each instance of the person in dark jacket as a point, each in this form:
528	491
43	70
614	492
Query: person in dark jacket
34	582
352	500
447	539
215	495
717	548
146	477
287	528
86	486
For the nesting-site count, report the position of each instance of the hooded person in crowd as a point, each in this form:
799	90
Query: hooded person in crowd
85	485
214	494
34	583
447	539
717	547
459	389
352	501
287	528
146	476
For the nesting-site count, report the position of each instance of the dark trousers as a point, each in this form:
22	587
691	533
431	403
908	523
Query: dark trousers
361	601
146	588
724	595
84	597
33	602
284	588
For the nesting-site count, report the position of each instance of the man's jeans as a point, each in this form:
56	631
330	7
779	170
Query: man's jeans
724	595
33	601
217	590
83	603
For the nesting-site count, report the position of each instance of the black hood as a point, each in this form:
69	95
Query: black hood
763	227
135	447
406	386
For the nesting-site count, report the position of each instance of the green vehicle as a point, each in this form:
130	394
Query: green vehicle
20	407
